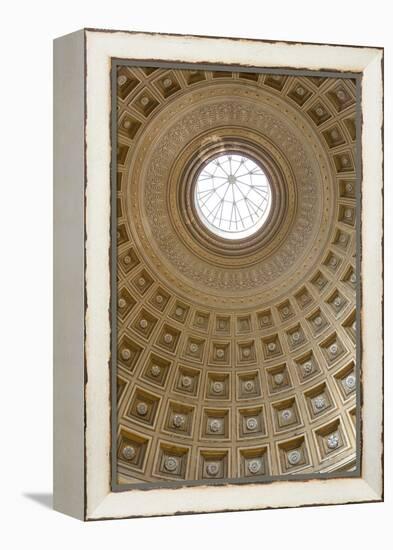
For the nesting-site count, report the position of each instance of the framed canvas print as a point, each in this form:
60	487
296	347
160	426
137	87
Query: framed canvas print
218	274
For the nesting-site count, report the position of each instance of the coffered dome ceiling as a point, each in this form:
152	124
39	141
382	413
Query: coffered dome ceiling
236	356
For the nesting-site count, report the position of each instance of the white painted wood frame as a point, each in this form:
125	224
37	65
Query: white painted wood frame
82	105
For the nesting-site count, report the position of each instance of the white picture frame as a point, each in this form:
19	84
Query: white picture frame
82	175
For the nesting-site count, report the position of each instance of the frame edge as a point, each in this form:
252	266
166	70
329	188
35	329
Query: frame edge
69	274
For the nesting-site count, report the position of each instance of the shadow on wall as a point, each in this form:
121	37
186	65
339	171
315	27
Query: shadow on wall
45	499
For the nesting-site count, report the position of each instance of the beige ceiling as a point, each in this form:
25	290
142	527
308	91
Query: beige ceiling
235	359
